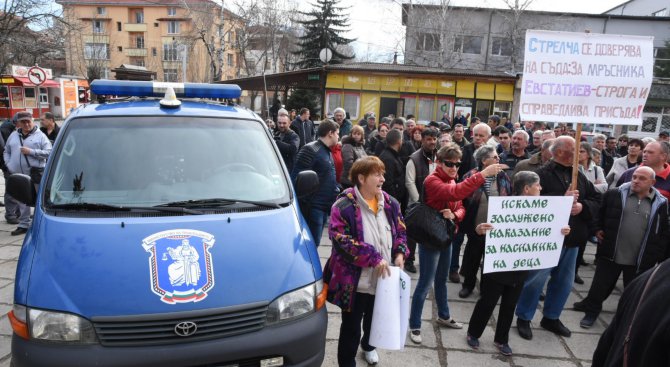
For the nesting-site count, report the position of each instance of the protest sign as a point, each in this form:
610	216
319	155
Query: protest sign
390	318
586	77
526	232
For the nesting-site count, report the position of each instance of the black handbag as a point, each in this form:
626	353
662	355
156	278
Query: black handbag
35	172
428	227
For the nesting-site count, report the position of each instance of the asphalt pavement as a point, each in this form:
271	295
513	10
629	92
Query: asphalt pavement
441	346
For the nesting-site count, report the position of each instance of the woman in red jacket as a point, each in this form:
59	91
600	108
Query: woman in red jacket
441	192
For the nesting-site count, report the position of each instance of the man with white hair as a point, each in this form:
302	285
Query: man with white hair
633	230
555	180
340	117
537	160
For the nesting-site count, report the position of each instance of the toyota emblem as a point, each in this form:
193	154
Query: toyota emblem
185	328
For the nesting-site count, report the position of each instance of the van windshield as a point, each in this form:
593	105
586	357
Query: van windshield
149	161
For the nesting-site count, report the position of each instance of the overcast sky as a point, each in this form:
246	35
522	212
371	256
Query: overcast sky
377	24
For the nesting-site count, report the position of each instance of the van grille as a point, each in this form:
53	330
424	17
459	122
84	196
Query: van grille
144	330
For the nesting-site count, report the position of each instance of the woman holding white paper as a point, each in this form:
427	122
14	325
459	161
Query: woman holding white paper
506	284
368	234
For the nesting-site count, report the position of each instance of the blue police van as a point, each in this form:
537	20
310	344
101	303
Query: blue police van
166	233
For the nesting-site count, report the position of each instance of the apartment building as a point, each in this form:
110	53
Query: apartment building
178	40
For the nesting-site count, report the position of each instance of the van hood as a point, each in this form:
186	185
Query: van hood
133	266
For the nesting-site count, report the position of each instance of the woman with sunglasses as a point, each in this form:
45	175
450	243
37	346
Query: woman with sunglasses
476	211
442	193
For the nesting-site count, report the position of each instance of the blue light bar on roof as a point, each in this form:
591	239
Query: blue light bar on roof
157	89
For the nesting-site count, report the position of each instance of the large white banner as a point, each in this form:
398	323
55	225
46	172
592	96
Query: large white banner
586	77
390	318
526	232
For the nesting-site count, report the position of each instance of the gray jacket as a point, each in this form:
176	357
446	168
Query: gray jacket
36	141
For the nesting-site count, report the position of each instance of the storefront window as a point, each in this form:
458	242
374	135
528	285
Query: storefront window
502	109
17	97
426	109
444	106
351	104
410	105
4	97
30	98
44	96
334	101
483	110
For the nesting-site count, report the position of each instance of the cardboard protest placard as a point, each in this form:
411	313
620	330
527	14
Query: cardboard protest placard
526	232
390	318
586	77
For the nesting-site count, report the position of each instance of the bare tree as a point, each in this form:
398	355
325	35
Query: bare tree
21	41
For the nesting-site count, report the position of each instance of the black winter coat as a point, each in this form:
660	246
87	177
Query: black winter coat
553	181
394	175
655	245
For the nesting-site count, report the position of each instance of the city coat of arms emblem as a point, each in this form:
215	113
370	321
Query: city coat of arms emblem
180	264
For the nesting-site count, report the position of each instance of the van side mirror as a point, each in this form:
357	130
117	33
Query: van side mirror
21	188
306	183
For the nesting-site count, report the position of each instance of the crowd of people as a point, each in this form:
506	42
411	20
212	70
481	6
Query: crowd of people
371	171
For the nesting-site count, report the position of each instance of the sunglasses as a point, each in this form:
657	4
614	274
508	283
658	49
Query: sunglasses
452	164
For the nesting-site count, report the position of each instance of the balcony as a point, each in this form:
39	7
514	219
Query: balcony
135	27
141	52
96	38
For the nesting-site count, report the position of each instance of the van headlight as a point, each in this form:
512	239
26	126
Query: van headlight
293	304
60	327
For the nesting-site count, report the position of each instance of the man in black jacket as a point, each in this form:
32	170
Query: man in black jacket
641	324
304	127
286	139
394	174
633	233
555	179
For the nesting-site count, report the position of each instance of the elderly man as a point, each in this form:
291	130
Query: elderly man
370	127
26	151
339	116
633	230
555	179
517	153
537	160
655	156
536	142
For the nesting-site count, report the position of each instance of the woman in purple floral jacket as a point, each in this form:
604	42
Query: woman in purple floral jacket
368	234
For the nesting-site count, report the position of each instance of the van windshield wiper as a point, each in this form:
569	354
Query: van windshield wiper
113	208
217	202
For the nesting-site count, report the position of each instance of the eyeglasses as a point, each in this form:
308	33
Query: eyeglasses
452	164
497	158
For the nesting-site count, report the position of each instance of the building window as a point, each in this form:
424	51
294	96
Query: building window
502	109
173	27
170	52
44	96
428	42
137	40
4	96
137	61
468	44
96	51
230	60
170	75
98	26
334	101
351	104
138	16
154	52
426	107
501	47
30	97
118	26
410	105
101	10
172	12
120	48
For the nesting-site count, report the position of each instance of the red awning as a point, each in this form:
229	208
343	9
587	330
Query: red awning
47	84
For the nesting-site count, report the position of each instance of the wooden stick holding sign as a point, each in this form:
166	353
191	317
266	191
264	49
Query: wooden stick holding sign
575	160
